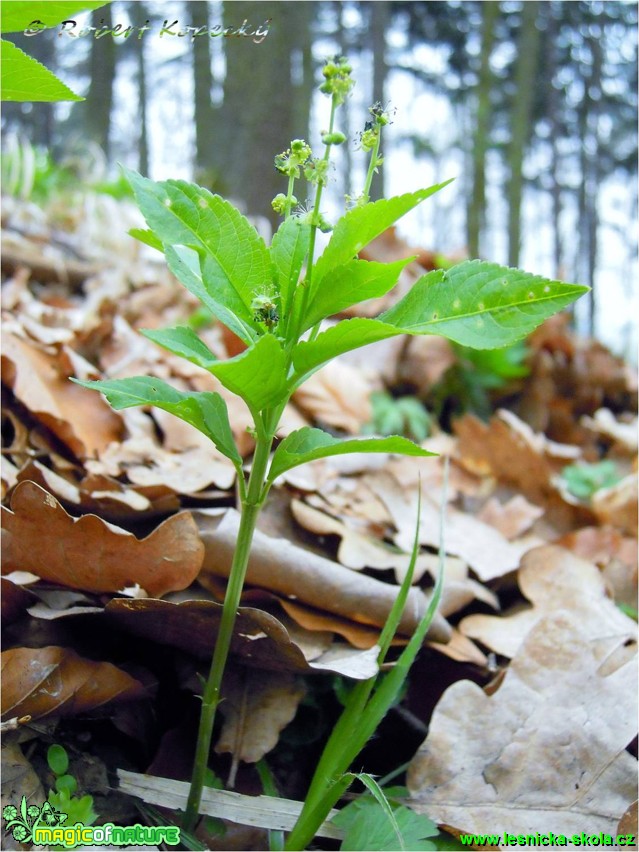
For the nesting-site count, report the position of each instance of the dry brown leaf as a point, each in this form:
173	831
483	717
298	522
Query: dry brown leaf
77	416
617	506
18	779
512	518
358	551
337	396
14	599
256	706
90	554
259	638
628	825
424	362
461	649
546	752
481	546
553	579
623	434
52	681
282	567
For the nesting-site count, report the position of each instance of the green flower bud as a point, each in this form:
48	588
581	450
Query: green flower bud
335	138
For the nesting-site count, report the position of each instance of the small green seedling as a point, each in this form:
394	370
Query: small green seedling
62	798
584	480
275	299
403	416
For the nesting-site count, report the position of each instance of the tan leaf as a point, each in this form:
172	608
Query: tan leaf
424	362
618	505
77	416
546	752
623	434
553	579
90	554
337	396
256	706
284	568
52	681
18	779
512	518
481	546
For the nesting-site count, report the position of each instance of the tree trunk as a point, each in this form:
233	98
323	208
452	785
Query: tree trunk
96	110
257	115
139	15
202	88
520	125
476	219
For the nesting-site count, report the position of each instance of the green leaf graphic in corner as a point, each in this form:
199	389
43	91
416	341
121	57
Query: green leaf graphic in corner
23	78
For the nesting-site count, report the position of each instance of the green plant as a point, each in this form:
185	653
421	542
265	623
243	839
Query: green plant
404	416
583	480
62	798
466	386
274	299
23	77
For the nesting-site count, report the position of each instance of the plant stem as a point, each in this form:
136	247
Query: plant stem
211	696
289	196
372	166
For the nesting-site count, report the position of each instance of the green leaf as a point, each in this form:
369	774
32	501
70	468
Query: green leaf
18	14
367	826
307	444
480	304
23	78
58	759
147	237
362	224
349	284
184	342
184	214
66	782
204	410
584	480
224	303
288	251
257	375
308	356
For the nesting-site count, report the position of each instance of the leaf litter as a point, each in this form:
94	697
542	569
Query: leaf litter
107	505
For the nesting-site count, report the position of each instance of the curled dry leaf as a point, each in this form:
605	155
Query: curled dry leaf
553	579
256	706
545	752
513	518
84	423
90	554
622	434
337	396
282	567
618	505
52	681
259	638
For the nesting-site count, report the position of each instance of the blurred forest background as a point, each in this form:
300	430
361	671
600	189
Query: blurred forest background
531	106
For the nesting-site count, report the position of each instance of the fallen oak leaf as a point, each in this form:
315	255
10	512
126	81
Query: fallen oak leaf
90	554
73	414
553	579
53	681
548	748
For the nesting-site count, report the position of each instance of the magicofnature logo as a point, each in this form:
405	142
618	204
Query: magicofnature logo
22	823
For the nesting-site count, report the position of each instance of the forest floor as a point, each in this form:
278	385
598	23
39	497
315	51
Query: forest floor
520	712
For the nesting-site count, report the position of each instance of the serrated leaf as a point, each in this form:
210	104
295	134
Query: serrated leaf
205	410
182	341
288	252
362	224
147	237
368	827
224	303
257	375
349	284
23	78
343	337
480	304
308	444
18	14
184	214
